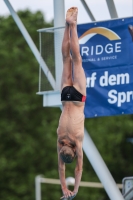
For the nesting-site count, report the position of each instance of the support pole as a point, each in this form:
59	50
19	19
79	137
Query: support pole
59	20
31	44
38	187
112	9
88	10
100	168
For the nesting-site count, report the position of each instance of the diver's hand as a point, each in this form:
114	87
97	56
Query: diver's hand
68	194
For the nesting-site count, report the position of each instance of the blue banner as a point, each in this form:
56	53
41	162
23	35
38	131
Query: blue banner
107	56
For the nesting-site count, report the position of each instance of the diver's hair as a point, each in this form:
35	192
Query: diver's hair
67	154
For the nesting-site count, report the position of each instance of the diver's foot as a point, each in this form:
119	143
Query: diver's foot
71	15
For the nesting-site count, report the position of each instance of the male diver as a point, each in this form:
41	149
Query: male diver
70	130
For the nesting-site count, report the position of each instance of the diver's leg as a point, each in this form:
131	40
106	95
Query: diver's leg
67	60
79	81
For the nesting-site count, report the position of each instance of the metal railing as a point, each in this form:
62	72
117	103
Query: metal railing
69	181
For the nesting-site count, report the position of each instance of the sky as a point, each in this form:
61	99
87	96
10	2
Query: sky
98	8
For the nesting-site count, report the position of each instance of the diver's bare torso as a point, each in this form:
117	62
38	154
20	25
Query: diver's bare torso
71	123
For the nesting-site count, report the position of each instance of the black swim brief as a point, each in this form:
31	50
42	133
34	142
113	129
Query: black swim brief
69	93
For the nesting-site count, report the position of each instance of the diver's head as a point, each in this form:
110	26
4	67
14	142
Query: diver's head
67	154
